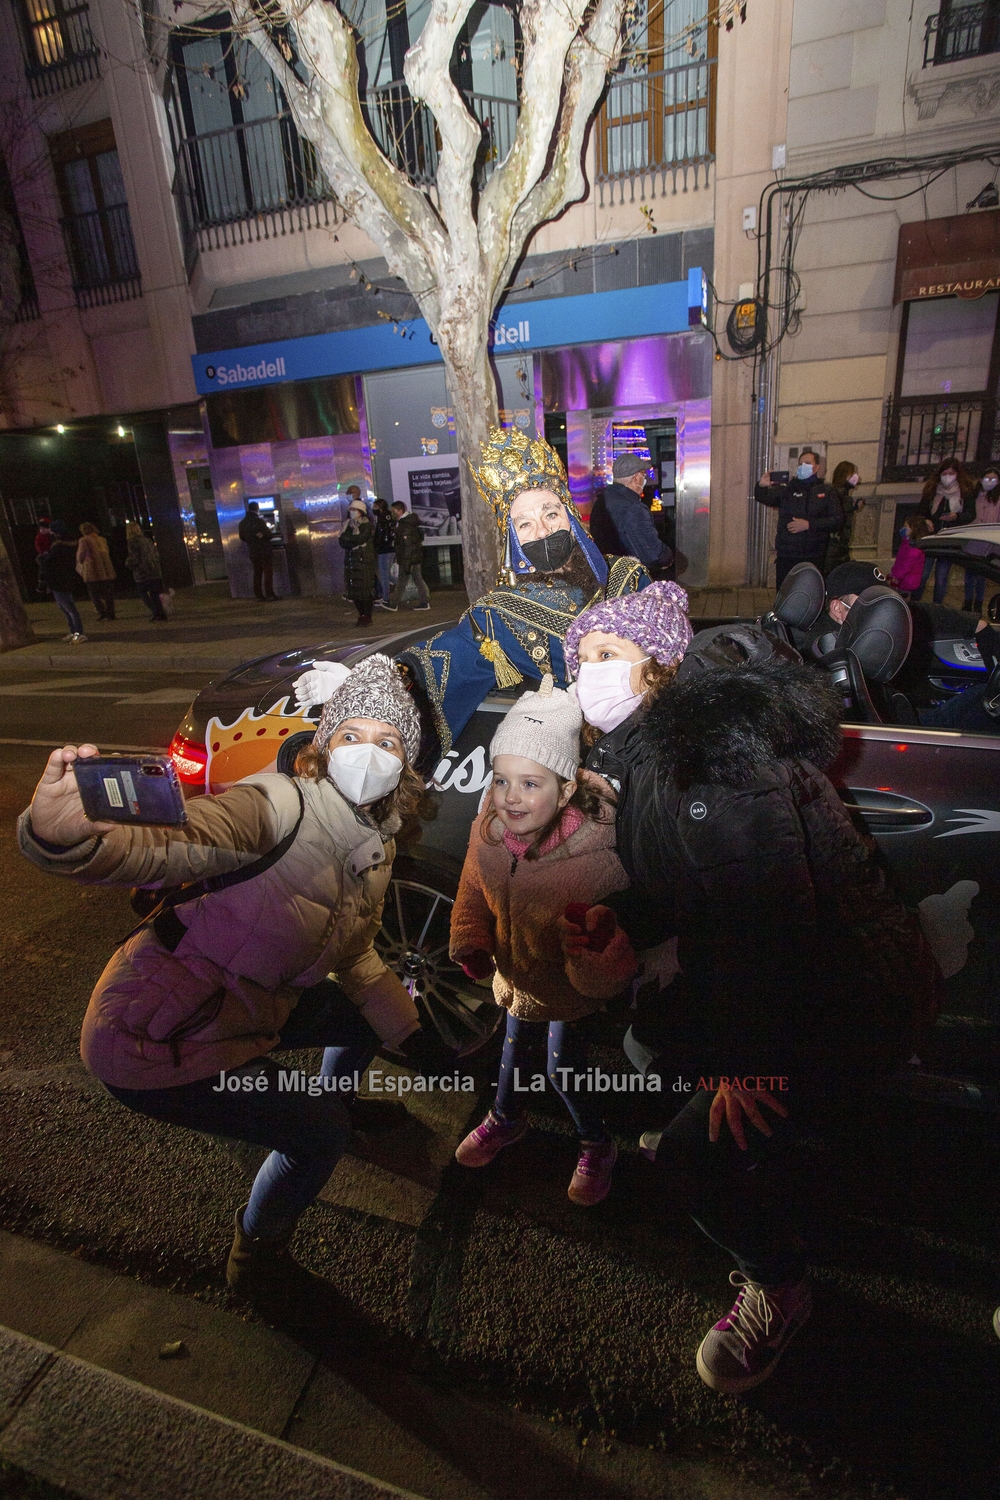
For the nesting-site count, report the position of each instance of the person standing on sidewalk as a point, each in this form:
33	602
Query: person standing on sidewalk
630	516
43	536
143	561
987	514
94	565
57	573
385	545
948	499
807	514
409	558
183	1021
259	539
360	562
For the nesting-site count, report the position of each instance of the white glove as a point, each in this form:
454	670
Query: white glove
320	683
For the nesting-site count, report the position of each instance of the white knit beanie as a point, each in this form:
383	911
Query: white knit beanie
543	727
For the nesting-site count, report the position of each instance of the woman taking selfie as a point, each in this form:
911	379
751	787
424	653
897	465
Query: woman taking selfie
183	1021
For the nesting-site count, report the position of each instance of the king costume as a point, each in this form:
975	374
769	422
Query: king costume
518	629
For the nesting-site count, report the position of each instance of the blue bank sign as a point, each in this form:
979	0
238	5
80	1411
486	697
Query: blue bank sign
550	323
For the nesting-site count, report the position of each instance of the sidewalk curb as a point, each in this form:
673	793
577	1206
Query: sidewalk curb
106	1437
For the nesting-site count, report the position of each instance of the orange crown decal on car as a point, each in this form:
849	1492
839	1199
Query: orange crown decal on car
251	744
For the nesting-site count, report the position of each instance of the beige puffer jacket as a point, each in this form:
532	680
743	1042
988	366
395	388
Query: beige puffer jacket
157	1018
512	915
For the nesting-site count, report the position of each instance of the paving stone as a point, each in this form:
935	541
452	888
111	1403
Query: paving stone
243	1371
45	1294
20	1361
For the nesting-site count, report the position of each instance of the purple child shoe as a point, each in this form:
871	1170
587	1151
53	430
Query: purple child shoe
744	1347
482	1144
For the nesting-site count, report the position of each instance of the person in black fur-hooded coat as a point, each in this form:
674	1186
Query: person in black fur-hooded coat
802	975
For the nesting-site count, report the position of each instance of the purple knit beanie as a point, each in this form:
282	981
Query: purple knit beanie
656	619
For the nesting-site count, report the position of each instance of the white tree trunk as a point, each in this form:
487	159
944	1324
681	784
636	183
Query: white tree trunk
456	256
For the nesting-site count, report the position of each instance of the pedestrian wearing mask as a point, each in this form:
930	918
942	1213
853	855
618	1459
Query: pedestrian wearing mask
186	1017
409	545
948	499
838	548
808	513
987	514
385	547
799	976
143	561
360	562
544	839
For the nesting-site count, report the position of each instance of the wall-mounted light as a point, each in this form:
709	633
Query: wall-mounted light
60	427
121	430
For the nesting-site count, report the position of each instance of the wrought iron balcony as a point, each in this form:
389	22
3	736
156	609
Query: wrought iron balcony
408	135
655	125
922	431
962	31
252	174
102	256
60	46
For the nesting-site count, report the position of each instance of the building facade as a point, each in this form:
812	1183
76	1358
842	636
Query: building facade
194	310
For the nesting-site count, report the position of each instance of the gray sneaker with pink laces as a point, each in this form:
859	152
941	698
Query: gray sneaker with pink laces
744	1347
482	1144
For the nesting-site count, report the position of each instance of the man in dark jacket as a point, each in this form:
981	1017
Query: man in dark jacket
630	517
807	513
259	539
57	573
409	543
802	975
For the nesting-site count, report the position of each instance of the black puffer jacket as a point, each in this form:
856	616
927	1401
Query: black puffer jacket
796	956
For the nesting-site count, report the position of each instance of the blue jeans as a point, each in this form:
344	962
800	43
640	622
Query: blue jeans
964	712
385	562
567	1053
942	567
69	609
307	1133
975	588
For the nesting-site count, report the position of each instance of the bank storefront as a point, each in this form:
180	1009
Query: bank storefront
294	423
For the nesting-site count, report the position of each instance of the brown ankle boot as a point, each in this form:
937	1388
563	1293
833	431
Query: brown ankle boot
260	1268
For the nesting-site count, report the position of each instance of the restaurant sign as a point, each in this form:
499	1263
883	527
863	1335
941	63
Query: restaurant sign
953	257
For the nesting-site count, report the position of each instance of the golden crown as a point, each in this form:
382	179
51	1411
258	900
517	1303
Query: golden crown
511	463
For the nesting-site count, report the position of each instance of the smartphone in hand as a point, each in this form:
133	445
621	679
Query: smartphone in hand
779	476
130	789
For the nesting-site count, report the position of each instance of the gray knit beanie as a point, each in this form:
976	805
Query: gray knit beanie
374	690
543	727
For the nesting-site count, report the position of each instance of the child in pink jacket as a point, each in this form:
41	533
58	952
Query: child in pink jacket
908	568
542	841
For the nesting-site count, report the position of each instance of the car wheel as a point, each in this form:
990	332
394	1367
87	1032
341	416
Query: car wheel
286	757
413	942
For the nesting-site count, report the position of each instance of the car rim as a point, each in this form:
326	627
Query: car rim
414	942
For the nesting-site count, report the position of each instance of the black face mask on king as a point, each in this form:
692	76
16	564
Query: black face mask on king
551	552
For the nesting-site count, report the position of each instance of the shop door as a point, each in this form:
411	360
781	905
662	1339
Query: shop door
206	523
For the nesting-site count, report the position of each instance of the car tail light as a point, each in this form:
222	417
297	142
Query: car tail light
190	759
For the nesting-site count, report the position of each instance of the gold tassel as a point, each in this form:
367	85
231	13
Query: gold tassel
504	670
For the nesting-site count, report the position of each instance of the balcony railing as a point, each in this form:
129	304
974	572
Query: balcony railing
657	125
921	432
962	31
244	182
407	132
102	256
61	48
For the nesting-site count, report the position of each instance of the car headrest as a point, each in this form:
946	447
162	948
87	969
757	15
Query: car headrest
879	630
800	600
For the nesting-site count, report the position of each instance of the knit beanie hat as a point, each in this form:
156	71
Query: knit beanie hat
543	727
656	619
374	690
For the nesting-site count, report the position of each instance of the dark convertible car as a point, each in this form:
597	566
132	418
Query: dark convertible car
930	797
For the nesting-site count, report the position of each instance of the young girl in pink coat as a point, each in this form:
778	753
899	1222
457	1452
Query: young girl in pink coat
542	841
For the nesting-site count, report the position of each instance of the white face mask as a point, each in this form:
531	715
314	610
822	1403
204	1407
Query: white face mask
604	692
854	479
990	482
364	773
